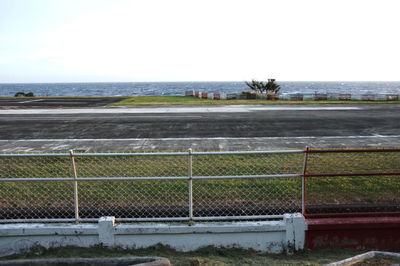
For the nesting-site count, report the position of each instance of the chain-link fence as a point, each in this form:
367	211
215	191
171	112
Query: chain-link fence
357	182
202	186
180	186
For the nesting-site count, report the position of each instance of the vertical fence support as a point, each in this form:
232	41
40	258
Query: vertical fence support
303	183
76	202
190	175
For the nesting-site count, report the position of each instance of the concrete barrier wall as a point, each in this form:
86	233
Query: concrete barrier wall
290	234
381	233
300	96
266	236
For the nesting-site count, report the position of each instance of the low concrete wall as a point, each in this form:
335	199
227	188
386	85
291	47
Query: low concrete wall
287	235
266	236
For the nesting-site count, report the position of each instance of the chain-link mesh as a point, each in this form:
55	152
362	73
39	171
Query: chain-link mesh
247	164
160	198
25	167
134	199
353	194
345	162
36	200
155	188
246	197
131	166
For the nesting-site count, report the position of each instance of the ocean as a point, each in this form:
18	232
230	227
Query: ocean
179	88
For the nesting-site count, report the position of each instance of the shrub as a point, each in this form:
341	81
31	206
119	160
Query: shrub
23	94
19	94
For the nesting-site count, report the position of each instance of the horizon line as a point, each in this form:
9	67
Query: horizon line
192	81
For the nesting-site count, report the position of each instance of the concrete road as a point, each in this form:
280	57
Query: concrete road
202	128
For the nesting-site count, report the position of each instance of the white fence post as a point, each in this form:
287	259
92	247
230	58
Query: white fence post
76	200
190	175
295	232
106	231
303	183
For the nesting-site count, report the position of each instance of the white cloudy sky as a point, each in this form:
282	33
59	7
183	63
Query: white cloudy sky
195	40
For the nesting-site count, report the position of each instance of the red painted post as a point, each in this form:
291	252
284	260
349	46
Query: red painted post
353	150
304	183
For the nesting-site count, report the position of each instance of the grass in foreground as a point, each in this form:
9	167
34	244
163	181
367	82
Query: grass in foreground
333	190
189	100
205	256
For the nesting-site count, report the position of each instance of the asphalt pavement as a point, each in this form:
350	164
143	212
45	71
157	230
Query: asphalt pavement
252	127
56	102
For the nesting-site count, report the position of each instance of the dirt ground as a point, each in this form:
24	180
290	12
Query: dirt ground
206	257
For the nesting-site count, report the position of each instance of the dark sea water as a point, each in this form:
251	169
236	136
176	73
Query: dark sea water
179	88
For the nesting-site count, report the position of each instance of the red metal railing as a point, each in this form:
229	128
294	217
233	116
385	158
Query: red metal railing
351	183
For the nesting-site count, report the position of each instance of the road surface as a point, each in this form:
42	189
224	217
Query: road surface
202	128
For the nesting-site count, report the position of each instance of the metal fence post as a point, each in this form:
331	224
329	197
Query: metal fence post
76	202
303	183
190	175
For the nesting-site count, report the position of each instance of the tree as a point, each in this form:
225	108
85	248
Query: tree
257	86
261	87
272	86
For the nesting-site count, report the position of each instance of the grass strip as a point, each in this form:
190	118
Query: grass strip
190	100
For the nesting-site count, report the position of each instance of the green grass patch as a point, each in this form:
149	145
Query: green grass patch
163	100
189	100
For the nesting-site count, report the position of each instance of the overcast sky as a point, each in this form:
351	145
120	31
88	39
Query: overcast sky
204	40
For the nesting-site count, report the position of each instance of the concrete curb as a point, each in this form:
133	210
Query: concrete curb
364	256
